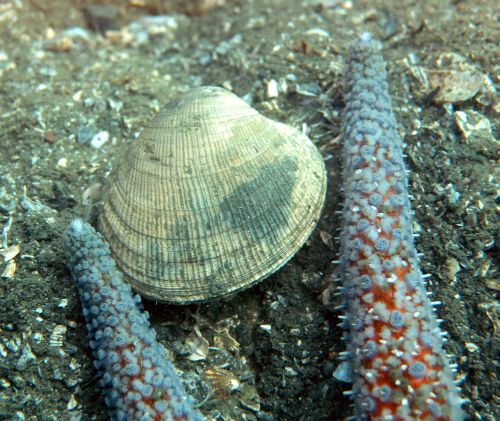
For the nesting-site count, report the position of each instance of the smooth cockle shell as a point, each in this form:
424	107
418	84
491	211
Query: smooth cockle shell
211	198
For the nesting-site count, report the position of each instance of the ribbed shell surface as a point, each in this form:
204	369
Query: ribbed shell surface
211	198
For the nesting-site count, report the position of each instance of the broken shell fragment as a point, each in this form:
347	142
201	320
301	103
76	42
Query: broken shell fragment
210	199
57	336
9	270
10	252
198	345
223	381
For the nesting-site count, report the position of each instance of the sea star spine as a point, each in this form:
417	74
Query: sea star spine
138	380
395	347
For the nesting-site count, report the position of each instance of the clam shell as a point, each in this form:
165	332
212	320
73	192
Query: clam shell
211	198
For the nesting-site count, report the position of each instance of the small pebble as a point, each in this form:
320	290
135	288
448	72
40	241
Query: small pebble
85	133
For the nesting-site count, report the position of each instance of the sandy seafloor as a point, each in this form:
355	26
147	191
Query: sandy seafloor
65	77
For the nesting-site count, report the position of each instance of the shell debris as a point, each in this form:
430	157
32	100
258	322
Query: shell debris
198	345
9	270
56	339
9	253
224	340
223	381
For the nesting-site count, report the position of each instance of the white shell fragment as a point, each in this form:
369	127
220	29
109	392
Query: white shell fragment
99	139
272	89
474	126
198	345
57	336
63	303
72	403
10	252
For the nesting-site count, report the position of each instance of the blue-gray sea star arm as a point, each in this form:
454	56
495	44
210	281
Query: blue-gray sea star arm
395	350
138	380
